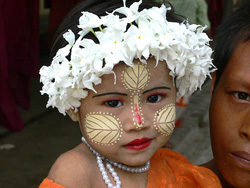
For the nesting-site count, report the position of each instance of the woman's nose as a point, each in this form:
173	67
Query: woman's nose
245	127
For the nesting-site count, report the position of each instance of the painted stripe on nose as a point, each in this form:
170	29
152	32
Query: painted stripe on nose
138	115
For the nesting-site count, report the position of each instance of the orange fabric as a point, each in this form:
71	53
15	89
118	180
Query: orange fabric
47	183
182	103
172	170
169	169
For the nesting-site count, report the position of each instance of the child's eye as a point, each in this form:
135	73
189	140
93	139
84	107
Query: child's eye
241	95
154	98
113	103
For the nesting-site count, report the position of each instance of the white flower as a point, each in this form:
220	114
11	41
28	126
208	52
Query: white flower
111	42
131	13
114	22
183	46
70	38
138	40
89	20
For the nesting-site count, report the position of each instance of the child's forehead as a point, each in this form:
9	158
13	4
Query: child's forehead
151	65
151	71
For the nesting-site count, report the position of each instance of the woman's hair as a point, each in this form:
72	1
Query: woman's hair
100	8
234	30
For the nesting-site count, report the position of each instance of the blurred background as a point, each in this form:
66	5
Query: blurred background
33	136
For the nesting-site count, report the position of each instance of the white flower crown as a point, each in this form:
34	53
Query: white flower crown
184	47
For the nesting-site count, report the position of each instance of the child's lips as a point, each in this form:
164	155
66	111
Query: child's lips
138	144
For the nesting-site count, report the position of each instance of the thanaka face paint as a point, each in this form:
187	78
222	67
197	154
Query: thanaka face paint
103	128
106	129
135	79
164	120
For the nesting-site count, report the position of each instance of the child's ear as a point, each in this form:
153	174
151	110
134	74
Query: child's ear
212	85
73	115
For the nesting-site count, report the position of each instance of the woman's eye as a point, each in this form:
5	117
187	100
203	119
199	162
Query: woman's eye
154	98
241	95
113	103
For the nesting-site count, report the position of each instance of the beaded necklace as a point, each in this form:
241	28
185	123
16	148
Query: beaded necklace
112	171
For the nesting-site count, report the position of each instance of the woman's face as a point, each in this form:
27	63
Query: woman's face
230	119
129	120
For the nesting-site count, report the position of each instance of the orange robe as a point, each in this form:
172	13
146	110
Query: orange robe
169	169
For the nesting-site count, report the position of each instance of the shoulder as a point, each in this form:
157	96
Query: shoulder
72	168
168	154
183	169
176	160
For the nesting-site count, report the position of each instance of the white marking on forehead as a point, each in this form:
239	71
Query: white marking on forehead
136	78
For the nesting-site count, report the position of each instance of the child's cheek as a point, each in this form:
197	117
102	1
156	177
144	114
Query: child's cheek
103	128
164	120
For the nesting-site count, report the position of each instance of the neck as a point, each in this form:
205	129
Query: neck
212	166
109	166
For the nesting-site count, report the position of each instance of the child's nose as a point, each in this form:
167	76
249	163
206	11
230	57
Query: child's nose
137	112
136	119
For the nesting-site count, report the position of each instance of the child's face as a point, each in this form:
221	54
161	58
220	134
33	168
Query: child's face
230	119
128	121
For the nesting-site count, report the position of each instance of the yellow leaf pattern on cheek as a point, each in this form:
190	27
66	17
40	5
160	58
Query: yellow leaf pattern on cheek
103	128
164	120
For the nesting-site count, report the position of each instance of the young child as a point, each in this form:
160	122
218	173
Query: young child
117	72
230	101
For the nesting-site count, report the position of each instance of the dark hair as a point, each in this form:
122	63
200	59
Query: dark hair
234	30
100	8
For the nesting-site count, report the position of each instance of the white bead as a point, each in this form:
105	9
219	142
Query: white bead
116	179
118	182
119	166
130	169
107	181
112	170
